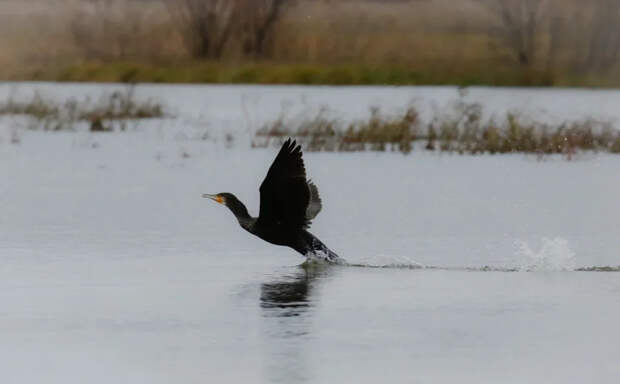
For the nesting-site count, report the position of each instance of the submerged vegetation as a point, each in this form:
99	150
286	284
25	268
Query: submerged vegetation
463	130
461	127
47	114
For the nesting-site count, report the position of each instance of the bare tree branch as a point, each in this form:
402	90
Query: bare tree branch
519	24
209	26
206	24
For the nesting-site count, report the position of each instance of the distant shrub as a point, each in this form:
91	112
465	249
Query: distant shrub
378	133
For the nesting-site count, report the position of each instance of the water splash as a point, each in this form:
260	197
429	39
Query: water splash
554	254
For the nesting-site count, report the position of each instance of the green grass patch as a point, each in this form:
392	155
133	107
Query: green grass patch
215	72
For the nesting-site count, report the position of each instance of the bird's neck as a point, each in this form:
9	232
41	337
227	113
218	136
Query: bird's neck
242	215
247	223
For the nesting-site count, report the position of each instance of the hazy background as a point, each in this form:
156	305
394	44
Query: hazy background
493	42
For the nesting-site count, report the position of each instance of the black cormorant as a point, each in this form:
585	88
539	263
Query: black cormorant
288	202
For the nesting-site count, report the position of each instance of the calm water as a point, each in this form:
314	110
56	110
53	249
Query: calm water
114	270
173	319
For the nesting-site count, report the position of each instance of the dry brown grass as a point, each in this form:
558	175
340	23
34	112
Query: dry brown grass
375	32
40	34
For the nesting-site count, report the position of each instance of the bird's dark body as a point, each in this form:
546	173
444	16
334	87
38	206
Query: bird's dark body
300	240
279	234
288	203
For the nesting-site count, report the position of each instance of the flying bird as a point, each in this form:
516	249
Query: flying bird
288	203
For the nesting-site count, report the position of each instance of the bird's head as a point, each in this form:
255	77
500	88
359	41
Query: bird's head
230	201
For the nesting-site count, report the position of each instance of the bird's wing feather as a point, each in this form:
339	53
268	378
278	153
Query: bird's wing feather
285	193
315	204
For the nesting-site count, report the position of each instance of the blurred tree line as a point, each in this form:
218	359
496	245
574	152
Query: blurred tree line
477	40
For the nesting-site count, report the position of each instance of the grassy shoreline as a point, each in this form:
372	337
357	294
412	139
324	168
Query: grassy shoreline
215	72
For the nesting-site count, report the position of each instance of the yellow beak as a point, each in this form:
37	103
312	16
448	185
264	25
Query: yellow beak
216	198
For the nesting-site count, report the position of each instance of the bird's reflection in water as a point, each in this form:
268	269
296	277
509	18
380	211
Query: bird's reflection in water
287	305
288	296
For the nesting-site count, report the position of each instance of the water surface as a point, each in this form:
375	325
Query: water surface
464	269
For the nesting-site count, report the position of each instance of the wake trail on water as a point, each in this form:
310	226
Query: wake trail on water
485	268
553	255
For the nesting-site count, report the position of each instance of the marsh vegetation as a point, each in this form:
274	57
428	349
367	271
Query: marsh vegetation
461	129
100	115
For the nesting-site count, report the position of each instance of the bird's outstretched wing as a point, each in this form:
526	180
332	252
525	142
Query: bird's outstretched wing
286	197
